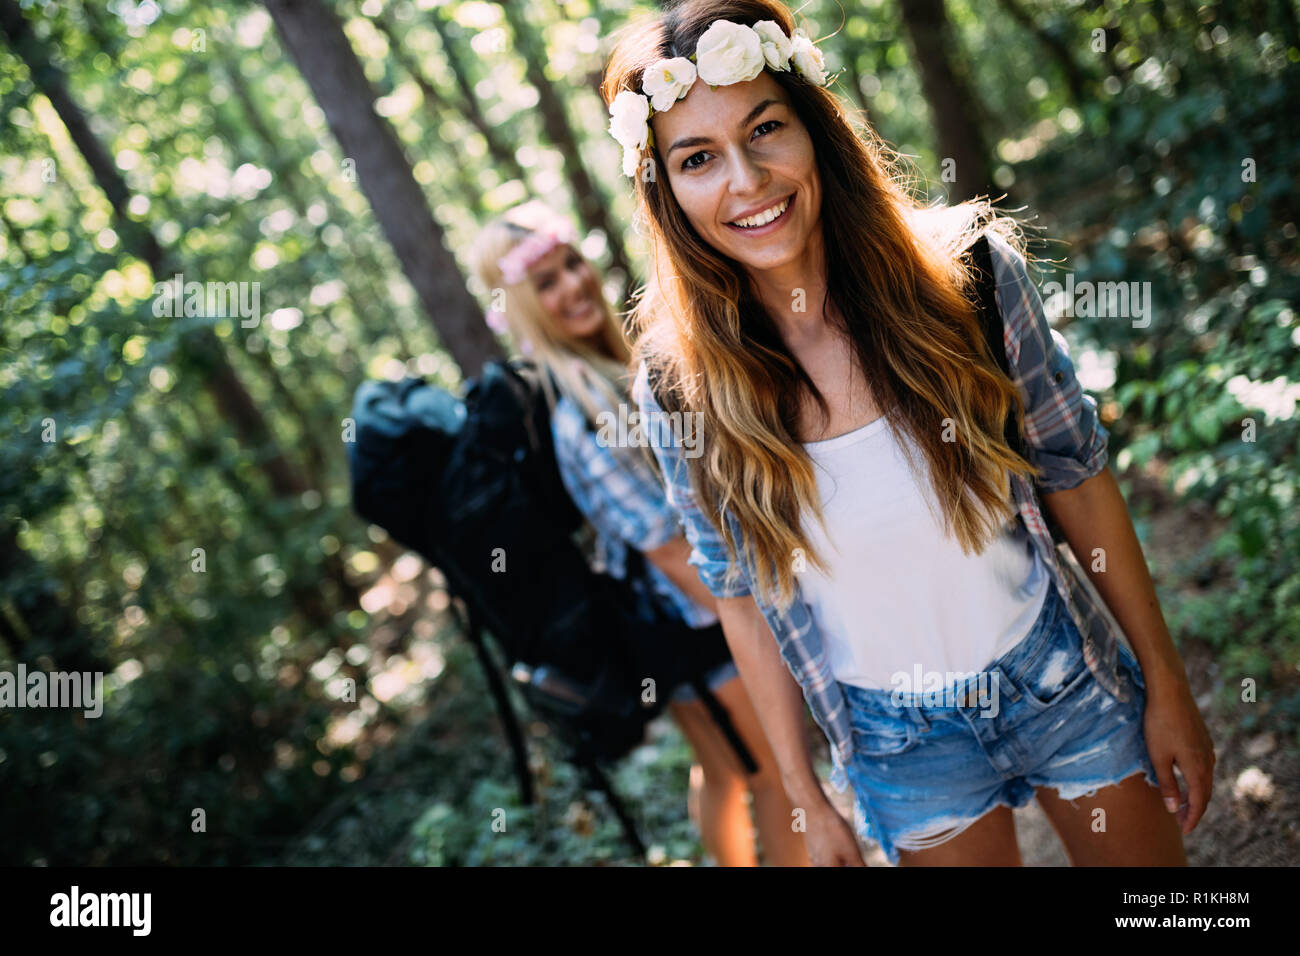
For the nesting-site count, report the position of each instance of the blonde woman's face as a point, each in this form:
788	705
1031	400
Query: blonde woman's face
569	291
742	167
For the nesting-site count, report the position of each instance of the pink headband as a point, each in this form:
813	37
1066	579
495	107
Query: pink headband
514	264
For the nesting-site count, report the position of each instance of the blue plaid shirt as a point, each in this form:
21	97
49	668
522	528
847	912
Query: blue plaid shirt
1064	437
625	502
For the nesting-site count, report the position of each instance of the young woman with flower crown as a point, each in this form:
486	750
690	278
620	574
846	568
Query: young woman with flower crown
857	499
556	313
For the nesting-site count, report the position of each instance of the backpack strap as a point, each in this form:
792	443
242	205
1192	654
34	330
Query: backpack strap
720	717
992	322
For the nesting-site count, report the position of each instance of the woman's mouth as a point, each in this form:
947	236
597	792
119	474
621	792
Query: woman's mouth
765	221
581	310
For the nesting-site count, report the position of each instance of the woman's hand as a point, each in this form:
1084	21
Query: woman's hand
830	840
1176	734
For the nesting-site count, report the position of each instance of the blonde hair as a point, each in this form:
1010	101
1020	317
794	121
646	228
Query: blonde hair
584	372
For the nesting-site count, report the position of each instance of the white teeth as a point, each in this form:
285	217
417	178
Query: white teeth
764	217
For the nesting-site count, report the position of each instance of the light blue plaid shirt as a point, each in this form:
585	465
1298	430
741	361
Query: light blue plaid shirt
625	502
1064	437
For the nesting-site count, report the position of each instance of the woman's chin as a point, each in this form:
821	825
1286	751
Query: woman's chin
584	325
763	257
767	259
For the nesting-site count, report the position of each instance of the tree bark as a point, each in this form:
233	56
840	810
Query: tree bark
1076	78
592	205
951	101
468	104
314	36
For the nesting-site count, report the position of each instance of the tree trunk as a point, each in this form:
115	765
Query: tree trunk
435	105
315	37
1076	78
951	102
503	155
592	205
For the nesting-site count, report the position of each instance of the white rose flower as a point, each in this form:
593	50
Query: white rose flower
775	44
729	53
628	116
668	81
631	160
808	60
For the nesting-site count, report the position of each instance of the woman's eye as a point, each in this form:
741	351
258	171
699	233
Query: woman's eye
689	162
770	126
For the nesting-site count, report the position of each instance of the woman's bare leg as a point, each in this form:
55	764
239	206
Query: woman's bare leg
782	844
721	811
1132	829
989	841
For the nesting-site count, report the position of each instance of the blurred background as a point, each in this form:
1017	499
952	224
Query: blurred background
174	506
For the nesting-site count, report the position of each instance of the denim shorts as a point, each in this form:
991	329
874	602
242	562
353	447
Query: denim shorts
927	766
714	680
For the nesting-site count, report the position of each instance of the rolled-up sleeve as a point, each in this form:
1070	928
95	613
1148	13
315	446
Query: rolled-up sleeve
622	501
708	550
1063	432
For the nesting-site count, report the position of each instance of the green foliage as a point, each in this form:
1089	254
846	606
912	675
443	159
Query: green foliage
1157	189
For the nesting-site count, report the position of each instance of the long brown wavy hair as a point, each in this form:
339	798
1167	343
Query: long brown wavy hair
896	274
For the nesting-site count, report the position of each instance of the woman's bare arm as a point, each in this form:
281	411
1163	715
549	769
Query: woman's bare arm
777	697
1094	518
672	559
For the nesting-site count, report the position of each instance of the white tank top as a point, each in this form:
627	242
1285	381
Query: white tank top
901	598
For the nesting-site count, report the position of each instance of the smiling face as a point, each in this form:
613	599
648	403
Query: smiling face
569	291
742	167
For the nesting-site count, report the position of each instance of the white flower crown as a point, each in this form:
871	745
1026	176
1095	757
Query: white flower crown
727	53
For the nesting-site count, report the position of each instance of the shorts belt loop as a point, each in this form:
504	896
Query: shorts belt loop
917	712
1005	685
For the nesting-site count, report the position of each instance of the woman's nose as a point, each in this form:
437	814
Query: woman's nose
747	173
572	282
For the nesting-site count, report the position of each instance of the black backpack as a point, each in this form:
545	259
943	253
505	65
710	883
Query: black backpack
472	485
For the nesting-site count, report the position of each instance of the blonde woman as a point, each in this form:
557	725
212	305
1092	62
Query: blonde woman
548	297
873	541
